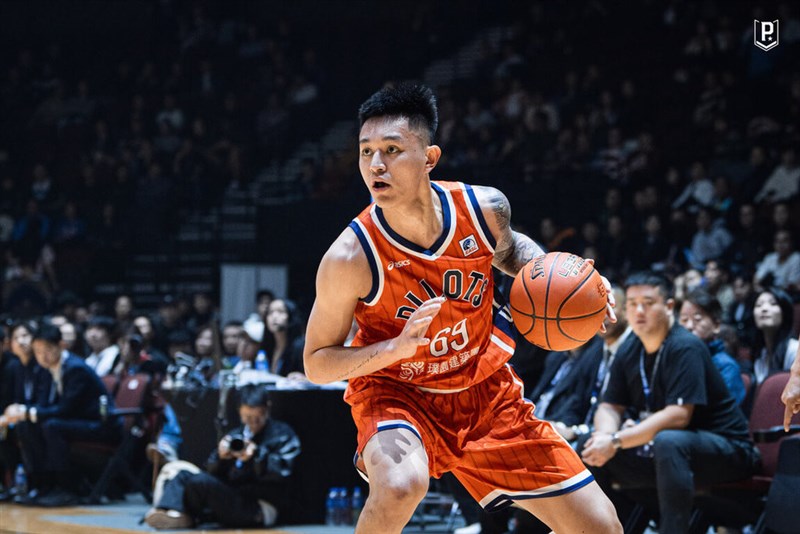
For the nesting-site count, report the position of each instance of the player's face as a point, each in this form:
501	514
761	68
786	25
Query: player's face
698	322
647	310
393	159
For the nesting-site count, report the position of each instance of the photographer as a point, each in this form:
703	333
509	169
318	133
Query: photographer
246	479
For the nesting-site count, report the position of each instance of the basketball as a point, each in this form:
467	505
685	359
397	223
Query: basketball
558	301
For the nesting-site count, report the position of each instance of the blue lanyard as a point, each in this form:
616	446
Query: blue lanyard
646	383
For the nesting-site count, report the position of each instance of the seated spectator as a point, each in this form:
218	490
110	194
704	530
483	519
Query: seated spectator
750	240
701	315
782	267
232	334
144	327
250	343
134	359
123	313
246	481
284	340
46	430
784	182
740	313
689	430
711	239
104	353
564	384
775	347
715	280
595	364
22	380
202	312
208	351
687	282
72	339
698	192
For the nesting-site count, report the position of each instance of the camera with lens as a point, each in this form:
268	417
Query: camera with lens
236	444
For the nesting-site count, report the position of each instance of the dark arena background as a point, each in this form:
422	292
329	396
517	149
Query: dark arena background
169	168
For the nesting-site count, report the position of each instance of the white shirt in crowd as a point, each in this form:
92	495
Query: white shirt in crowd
103	362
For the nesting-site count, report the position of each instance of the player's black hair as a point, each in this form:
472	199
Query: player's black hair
650	278
706	302
414	102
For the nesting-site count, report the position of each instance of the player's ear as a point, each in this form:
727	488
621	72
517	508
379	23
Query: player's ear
432	155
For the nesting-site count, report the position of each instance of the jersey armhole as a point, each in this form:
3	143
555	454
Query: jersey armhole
372	260
477	215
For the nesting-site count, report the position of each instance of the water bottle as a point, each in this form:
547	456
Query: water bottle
356	504
20	480
330	507
344	515
261	361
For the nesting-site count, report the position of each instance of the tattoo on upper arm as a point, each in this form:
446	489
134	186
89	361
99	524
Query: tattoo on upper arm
502	211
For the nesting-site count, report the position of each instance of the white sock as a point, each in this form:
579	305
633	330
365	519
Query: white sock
268	512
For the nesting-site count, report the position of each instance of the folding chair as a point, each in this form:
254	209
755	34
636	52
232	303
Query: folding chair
130	401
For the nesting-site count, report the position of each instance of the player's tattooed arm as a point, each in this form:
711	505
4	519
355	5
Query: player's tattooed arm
513	249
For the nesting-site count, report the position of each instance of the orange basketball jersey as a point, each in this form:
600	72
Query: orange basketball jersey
467	344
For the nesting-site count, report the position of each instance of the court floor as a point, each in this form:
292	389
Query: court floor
125	517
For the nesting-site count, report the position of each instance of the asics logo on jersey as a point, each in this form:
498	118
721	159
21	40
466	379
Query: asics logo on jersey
397	264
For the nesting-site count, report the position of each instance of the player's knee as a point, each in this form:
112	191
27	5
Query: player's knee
405	490
607	520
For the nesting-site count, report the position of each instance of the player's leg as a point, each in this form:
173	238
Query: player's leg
584	510
397	467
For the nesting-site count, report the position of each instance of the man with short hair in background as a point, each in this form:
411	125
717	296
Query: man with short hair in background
690	430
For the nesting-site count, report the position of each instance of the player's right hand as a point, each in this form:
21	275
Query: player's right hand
413	335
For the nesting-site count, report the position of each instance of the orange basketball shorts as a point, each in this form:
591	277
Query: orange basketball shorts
486	435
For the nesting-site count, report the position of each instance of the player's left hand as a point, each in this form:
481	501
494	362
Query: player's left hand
598	450
612	303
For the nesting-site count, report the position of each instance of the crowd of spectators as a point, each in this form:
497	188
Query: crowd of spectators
682	160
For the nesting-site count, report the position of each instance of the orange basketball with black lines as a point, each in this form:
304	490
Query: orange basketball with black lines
558	301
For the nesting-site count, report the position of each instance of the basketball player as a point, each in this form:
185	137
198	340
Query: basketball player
429	386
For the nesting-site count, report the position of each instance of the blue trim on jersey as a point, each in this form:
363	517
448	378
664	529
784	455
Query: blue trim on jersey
503	324
373	265
504	501
479	214
446	215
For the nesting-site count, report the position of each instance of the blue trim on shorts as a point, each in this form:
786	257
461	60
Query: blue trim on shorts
504	501
407	426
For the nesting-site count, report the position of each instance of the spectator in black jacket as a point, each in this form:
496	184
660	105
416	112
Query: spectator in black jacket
78	412
246	481
22	380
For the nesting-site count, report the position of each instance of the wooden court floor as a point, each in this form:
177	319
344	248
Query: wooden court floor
112	519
